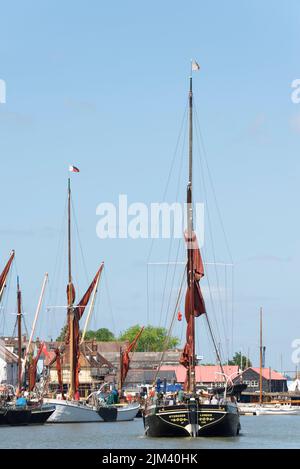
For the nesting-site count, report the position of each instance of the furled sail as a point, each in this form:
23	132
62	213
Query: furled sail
194	258
32	369
75	317
59	371
5	272
125	358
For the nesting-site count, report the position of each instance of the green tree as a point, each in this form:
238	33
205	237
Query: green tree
101	335
153	339
241	360
62	334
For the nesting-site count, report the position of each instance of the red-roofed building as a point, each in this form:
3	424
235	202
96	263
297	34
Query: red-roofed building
206	375
272	381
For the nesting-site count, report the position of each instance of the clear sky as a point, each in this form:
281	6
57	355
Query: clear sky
103	85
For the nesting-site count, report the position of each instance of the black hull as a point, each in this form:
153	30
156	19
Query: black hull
41	415
183	421
25	416
108	414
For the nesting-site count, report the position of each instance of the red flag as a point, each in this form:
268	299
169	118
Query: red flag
73	169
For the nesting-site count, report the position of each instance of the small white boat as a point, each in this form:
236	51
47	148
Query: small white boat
76	411
269	409
127	411
277	409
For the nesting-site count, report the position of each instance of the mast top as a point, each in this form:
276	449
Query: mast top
191	84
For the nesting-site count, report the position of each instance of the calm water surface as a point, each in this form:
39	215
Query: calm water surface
269	431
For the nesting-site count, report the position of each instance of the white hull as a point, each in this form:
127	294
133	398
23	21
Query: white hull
269	409
127	412
72	412
277	411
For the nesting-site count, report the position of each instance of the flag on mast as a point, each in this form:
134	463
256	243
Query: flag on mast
73	169
195	66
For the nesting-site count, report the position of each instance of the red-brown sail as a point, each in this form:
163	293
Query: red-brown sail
57	360
75	317
33	366
195	259
5	271
59	371
125	358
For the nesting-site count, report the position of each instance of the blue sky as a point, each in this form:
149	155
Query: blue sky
103	85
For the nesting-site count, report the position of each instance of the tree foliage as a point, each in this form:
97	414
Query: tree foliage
101	335
62	334
241	360
153	339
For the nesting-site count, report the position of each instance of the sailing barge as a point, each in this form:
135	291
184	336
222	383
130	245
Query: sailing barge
191	416
14	408
70	409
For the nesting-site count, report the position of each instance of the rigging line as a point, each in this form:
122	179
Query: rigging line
212	185
226	309
57	272
147	292
167	338
171	241
6	299
176	200
214	343
25	325
184	119
210	293
109	300
212	241
172	283
60	239
79	242
211	348
232	308
53	316
165	285
56	293
213	306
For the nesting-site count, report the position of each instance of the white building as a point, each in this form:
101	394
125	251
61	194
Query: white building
8	366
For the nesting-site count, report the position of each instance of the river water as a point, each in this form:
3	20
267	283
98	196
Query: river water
269	431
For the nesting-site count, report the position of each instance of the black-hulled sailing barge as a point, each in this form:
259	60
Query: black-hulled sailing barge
19	410
191	416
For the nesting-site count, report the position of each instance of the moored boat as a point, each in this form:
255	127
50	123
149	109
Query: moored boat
15	408
76	411
26	415
127	411
192	418
70	409
191	415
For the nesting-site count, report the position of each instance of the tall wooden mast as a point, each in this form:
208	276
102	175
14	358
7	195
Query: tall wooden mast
191	273
260	357
70	291
19	322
